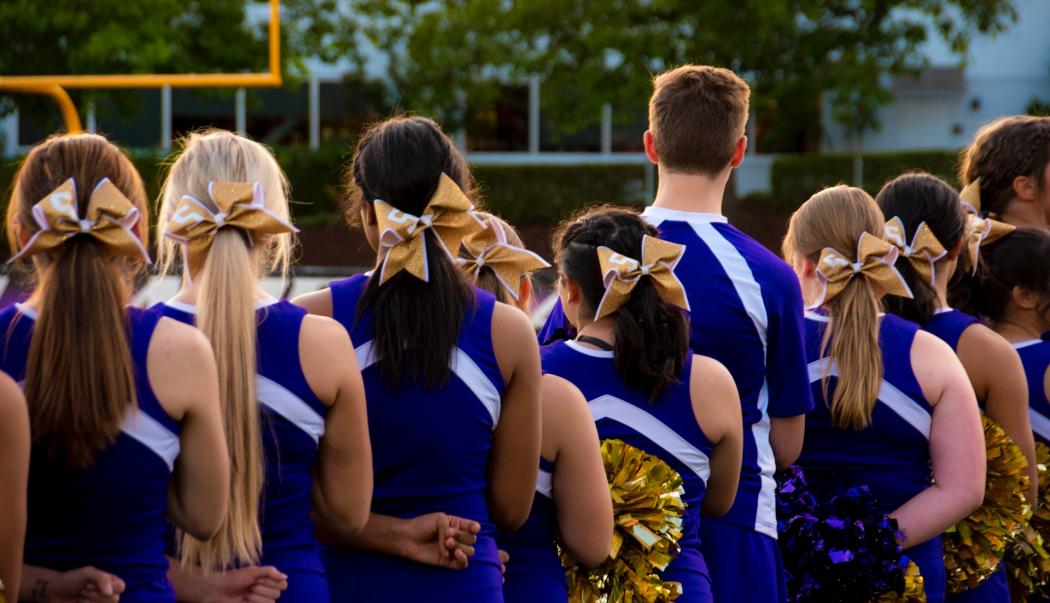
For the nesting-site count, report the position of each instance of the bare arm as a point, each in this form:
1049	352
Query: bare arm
580	488
181	368
343	484
258	584
716	405
316	302
14	471
785	437
514	460
998	378
956	445
434	539
43	585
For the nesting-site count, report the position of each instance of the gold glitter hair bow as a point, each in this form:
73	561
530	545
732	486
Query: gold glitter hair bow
239	205
110	219
402	244
923	252
875	259
489	247
620	274
981	230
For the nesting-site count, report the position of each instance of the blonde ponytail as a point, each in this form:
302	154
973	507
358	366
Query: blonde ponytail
226	315
852	340
836	217
228	282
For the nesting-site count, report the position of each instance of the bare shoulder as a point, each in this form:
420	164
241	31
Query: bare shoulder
13	410
935	365
324	331
711	378
510	320
989	345
562	399
178	355
716	401
316	302
178	342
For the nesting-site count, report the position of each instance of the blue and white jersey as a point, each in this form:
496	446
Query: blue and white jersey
1035	356
292	422
746	313
666	428
430	452
892	454
111	514
536	573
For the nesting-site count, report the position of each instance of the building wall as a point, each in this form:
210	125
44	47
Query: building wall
1002	75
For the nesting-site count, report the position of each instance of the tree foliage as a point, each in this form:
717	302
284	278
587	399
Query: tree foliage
800	56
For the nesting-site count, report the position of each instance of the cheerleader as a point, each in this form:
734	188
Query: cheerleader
14	469
452	377
1009	159
632	362
892	400
123	403
1015	296
291	388
572	502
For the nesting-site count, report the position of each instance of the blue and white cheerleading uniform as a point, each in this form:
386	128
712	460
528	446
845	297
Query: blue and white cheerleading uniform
666	428
430	453
948	325
535	573
110	515
292	424
748	315
1035	356
892	454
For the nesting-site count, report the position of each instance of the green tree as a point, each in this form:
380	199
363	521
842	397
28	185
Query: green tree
801	56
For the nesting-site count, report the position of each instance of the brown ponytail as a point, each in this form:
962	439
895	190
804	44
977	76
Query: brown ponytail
80	379
837	217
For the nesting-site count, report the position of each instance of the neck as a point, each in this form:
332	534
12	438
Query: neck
188	292
1022	213
1016	327
691	192
599	329
940	285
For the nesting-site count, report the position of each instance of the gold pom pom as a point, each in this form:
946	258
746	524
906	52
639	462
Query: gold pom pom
1029	561
914	590
974	547
647	524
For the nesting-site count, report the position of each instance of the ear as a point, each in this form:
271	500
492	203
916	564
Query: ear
1025	299
22	233
738	153
368	215
524	302
1025	188
650	148
953	253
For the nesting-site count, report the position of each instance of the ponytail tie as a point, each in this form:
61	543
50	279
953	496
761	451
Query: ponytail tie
489	247
238	205
620	274
923	252
980	230
402	244
875	259
110	219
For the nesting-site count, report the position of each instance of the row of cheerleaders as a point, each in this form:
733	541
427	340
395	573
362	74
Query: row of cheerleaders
895	285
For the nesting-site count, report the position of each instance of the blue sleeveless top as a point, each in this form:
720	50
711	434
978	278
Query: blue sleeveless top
948	325
111	514
535	573
892	454
1035	356
292	424
666	429
430	452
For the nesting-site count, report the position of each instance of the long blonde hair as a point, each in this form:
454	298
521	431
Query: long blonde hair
836	217
226	314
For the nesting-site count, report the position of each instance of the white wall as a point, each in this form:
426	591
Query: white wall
1002	73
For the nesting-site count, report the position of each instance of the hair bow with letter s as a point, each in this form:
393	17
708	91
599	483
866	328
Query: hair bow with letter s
238	205
110	219
923	252
982	230
875	259
489	247
402	243
620	274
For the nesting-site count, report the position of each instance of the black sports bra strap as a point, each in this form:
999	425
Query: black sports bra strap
599	343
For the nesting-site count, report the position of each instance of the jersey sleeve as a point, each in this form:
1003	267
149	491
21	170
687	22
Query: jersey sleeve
790	394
